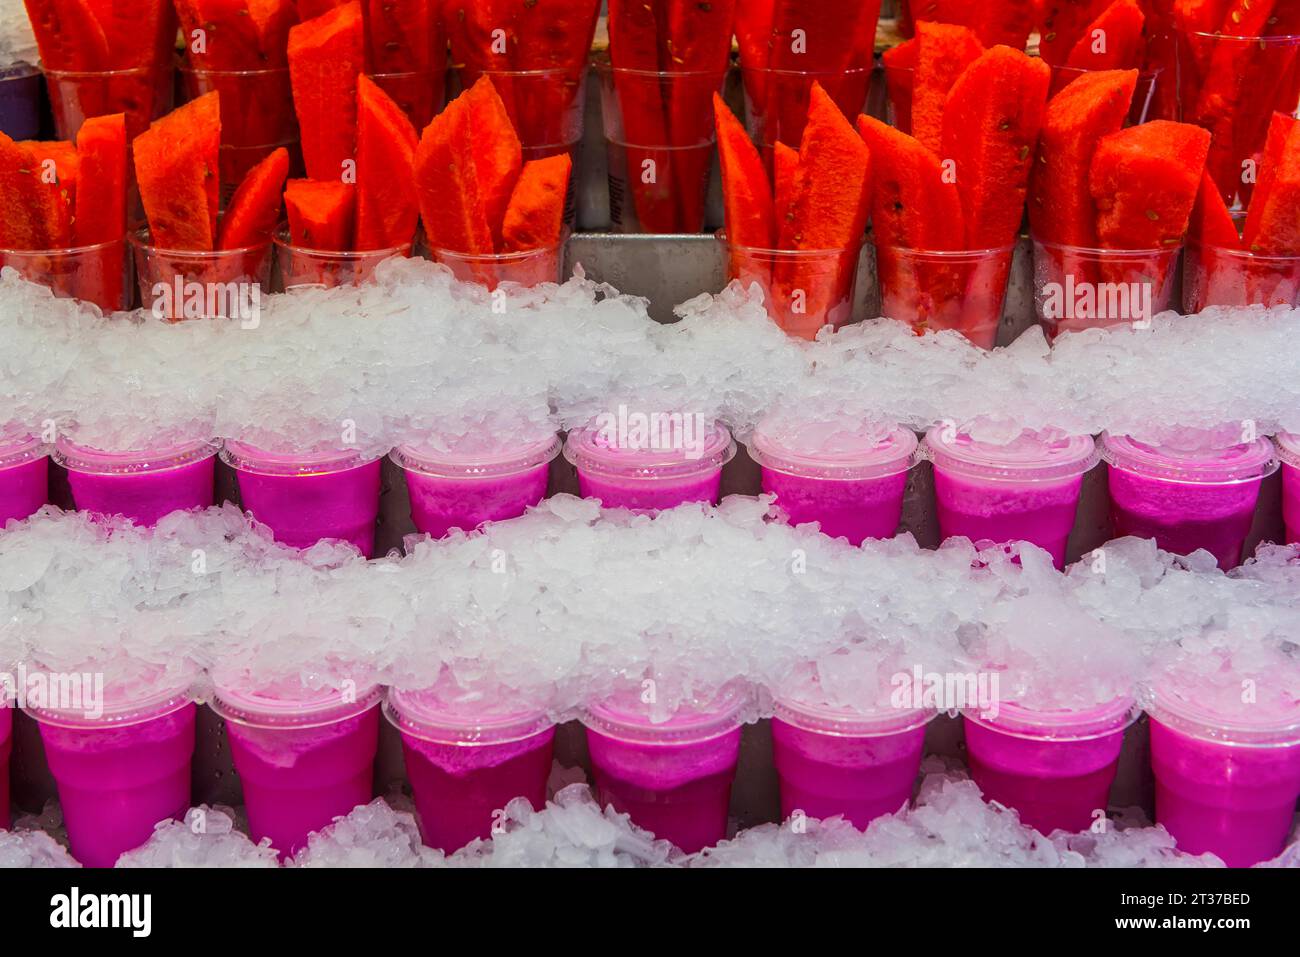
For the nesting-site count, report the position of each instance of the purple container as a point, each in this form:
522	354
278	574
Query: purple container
1288	450
451	490
1026	490
141	485
306	497
20	101
851	483
24	477
1187	499
650	477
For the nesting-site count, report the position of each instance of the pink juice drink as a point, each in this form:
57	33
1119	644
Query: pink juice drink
6	748
673	777
24	477
626	472
1054	767
307	497
304	757
860	765
450	490
852	485
1024	491
1288	450
1187	499
466	761
1226	783
141	485
121	772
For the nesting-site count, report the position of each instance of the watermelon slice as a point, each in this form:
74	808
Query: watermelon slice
140	33
32	216
326	55
57	172
746	192
1273	223
1006	22
555	36
228	35
101	208
944	51
1093	106
1111	42
387	207
68	35
495	152
1212	224
1145	181
1281	135
1062	23
320	214
176	166
254	210
785	175
990	129
911	205
446	182
900	80
535	217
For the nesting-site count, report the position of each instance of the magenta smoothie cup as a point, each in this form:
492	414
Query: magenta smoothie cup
852	485
24	476
304	757
1024	491
306	497
450	490
650	478
466	760
672	777
120	772
6	748
141	485
1187	499
1054	767
857	764
1288	450
1227	780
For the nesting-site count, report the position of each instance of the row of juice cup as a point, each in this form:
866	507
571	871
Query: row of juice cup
1028	490
1227	784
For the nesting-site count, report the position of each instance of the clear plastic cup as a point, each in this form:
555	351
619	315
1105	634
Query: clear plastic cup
851	482
20	101
1077	288
1024	491
99	274
1288	450
421	94
466	760
1187	499
304	757
142	485
177	284
1232	86
306	497
24	475
1216	276
1054	767
900	84
6	748
256	116
143	93
649	479
529	268
776	101
659	137
936	290
121	772
1226	782
804	289
673	777
857	764
452	490
324	269
1147	96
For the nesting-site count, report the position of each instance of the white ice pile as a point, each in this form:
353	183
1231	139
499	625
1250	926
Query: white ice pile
415	355
949	826
568	604
17	42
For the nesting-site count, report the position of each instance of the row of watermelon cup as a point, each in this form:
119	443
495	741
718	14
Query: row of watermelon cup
1185	498
1227	781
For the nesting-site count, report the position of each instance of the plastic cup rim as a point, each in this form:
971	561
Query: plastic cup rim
721	236
25	448
1187	473
139	239
91	461
254	710
1101	253
500	258
96	74
160	704
953	254
1271	38
453	467
1103	721
1288	448
591	463
608	69
538	74
815	74
280	239
186	67
843	466
1200	723
244	457
946	460
66	250
448	728
844	723
1238	253
719	720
